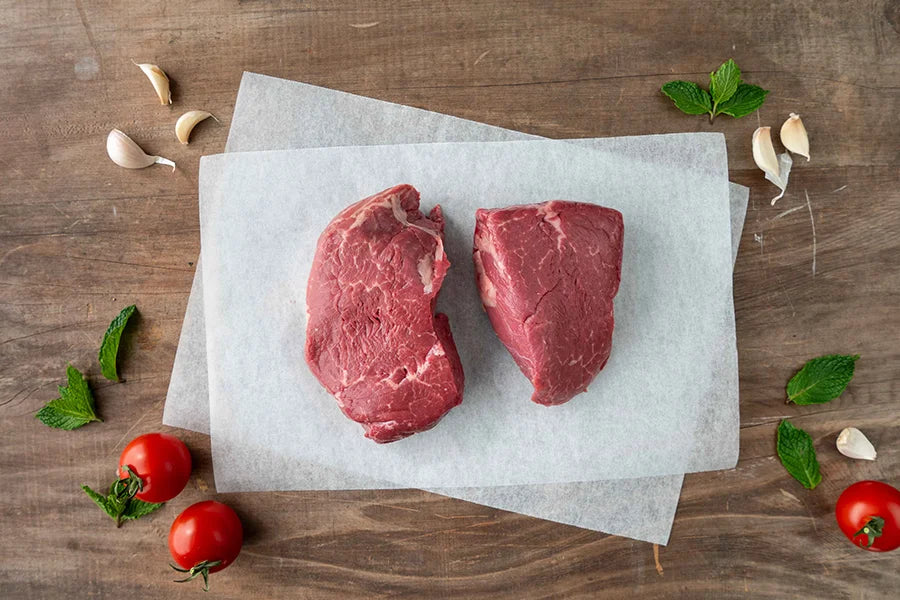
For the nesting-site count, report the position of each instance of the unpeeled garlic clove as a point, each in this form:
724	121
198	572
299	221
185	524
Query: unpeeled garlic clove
851	442
793	136
764	151
159	80
186	123
776	168
123	151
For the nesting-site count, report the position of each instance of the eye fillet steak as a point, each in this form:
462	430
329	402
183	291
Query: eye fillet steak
372	338
547	274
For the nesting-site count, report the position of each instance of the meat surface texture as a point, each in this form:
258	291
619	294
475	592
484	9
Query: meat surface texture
372	338
548	274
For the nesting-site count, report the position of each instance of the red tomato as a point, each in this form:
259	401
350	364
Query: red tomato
163	463
868	512
205	538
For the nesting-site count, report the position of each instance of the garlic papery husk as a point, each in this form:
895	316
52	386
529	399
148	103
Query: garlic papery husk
793	136
851	442
776	168
186	123
126	153
159	80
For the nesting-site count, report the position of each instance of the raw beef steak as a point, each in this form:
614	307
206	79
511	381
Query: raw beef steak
372	338
547	274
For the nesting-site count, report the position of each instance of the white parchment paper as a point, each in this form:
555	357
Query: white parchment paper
665	404
311	116
316	116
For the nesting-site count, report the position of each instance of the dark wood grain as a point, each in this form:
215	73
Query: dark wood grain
80	238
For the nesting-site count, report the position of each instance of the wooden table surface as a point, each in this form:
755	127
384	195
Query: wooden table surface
80	238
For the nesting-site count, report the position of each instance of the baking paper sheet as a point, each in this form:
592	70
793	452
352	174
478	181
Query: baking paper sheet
666	402
304	110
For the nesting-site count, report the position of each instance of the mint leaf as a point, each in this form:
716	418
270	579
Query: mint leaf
138	508
724	82
100	500
109	348
795	449
689	97
73	408
821	379
746	99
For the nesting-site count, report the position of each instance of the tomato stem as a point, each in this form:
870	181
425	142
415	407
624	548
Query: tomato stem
123	490
134	482
872	528
201	568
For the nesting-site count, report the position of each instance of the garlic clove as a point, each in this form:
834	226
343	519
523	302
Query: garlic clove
186	123
776	168
793	136
159	80
764	151
123	151
851	442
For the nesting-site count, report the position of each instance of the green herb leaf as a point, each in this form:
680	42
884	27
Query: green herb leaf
73	408
109	349
746	99
689	97
821	379
797	454
724	82
138	508
100	500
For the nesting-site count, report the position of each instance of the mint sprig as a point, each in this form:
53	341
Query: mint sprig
73	408
109	348
797	454
821	379
727	94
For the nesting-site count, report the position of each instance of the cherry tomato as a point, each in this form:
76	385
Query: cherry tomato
868	512
205	538
161	461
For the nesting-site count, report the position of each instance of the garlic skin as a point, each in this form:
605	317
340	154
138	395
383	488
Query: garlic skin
123	151
852	443
186	123
159	80
776	168
793	136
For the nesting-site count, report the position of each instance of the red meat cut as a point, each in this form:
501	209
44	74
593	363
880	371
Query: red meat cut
548	274
372	338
